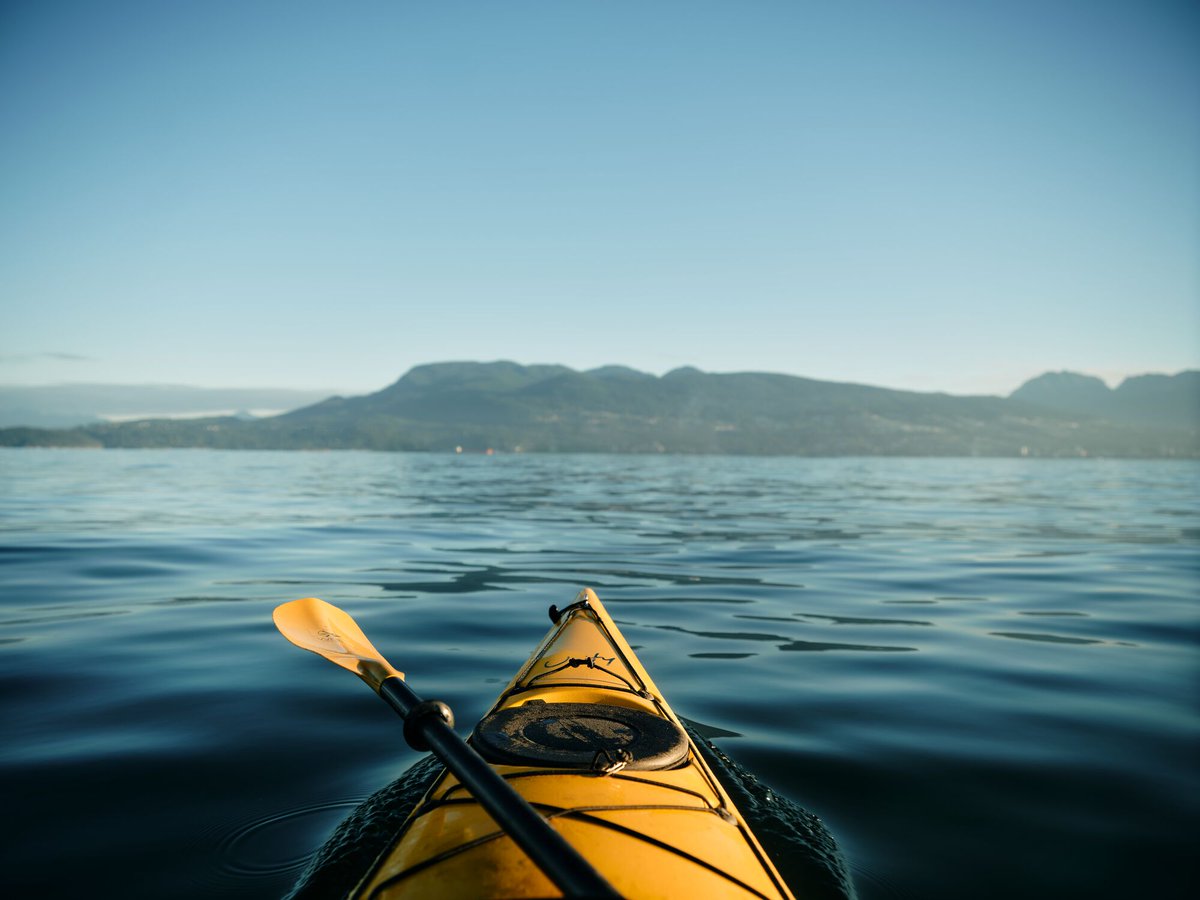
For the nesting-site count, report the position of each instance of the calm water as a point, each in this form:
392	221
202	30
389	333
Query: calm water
983	675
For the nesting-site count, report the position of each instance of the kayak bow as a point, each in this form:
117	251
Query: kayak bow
586	738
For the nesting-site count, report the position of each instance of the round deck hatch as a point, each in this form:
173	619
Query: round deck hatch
579	736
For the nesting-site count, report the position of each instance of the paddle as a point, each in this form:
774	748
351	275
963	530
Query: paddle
324	629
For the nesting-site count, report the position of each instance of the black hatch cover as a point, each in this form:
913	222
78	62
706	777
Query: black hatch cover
580	735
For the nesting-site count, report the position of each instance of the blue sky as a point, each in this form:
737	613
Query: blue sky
933	195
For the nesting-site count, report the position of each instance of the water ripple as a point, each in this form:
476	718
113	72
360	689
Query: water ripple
279	842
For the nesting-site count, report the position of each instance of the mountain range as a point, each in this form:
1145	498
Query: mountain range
1164	401
67	405
506	407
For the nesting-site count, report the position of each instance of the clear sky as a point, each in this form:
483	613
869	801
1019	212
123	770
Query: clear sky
934	195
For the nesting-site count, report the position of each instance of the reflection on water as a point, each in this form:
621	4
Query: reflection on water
1049	638
980	674
781	642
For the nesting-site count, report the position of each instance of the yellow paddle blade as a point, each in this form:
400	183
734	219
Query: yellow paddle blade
324	629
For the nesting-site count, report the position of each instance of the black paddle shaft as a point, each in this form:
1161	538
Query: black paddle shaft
428	726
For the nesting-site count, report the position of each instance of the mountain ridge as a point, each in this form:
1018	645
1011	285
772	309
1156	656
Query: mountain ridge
505	406
70	404
1149	399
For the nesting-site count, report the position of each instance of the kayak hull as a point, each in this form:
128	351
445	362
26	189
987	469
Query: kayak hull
596	754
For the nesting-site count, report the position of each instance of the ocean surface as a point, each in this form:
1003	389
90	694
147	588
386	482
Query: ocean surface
984	676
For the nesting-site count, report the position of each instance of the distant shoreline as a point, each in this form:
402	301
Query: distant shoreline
506	408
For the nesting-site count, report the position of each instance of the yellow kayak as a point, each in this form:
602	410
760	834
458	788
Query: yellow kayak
583	734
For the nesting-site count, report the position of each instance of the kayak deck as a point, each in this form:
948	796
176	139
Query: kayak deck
583	734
